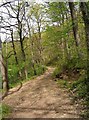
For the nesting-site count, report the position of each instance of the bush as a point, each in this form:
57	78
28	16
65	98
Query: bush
57	72
62	83
13	74
5	110
40	69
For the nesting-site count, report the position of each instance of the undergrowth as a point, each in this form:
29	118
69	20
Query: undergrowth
81	88
75	80
16	81
5	110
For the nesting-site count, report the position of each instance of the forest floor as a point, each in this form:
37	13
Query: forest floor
42	98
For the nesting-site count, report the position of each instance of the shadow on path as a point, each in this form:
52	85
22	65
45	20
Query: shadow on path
42	98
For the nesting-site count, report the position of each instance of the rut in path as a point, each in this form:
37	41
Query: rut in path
42	98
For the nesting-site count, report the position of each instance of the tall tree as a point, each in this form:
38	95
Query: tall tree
75	25
85	12
37	12
3	70
13	45
31	43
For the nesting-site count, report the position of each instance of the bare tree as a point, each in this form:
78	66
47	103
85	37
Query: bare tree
18	16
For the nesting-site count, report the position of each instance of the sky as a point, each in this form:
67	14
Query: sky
2	9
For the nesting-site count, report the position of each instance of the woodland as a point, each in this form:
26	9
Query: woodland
35	36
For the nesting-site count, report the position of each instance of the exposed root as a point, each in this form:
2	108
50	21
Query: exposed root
10	92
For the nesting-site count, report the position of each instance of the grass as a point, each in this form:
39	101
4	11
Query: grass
63	83
5	110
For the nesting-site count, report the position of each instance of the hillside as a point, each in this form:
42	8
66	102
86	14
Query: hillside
39	37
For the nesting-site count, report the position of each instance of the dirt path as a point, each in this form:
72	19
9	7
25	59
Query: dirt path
42	98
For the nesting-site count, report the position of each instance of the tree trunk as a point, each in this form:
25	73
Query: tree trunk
85	12
31	48
66	50
39	38
15	55
26	73
75	25
21	44
3	69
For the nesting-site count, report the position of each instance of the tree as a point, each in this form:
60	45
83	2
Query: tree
18	15
85	12
31	40
37	16
58	12
75	25
3	69
14	49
